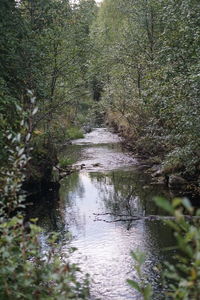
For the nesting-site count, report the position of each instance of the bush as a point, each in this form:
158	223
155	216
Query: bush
182	278
142	286
27	273
26	270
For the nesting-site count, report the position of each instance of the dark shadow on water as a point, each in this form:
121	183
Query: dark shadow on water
44	205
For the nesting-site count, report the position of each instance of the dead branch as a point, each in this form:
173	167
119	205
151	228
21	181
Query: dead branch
148	218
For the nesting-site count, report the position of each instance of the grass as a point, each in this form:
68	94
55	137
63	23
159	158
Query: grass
74	133
65	162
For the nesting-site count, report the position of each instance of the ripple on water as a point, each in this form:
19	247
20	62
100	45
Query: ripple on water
104	248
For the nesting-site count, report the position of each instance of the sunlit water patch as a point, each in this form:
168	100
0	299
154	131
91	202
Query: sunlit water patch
98	136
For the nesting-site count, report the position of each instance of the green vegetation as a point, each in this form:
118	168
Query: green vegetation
28	270
42	83
64	162
28	273
74	133
181	278
45	47
146	57
141	284
141	60
63	65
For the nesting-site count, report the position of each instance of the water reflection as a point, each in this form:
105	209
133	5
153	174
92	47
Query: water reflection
44	206
104	248
127	192
111	186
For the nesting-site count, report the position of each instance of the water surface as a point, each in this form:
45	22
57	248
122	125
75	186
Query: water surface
95	204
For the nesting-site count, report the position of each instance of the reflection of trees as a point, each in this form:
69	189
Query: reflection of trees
49	205
71	188
158	238
71	185
126	192
45	207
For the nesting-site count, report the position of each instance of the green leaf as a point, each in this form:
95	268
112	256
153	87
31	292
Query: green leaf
148	292
187	204
134	284
176	202
164	204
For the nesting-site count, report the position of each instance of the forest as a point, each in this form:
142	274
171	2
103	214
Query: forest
67	67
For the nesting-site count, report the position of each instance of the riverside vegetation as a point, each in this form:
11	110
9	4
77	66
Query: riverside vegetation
63	65
180	278
146	57
43	98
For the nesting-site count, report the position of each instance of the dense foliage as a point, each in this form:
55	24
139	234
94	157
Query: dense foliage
44	49
146	57
141	58
137	62
28	269
27	273
181	276
40	58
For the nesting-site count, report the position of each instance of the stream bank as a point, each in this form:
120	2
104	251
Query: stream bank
174	175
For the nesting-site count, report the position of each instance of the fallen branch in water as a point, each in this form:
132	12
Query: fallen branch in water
106	214
148	218
117	220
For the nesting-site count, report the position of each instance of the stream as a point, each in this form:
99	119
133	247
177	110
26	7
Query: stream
95	204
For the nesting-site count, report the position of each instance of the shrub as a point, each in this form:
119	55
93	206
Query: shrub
26	270
27	273
142	286
182	278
